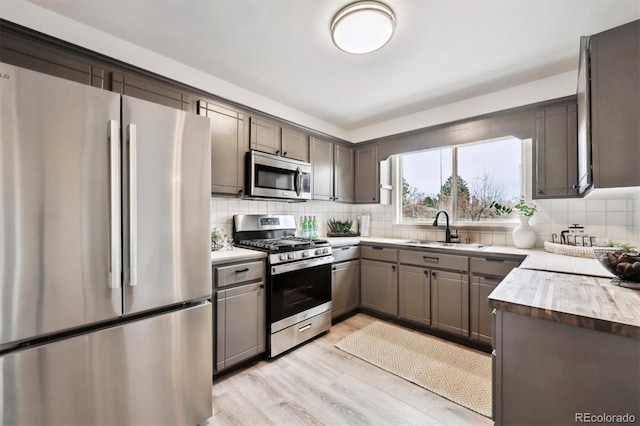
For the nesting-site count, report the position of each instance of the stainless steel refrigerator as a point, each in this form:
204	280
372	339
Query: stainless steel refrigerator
104	257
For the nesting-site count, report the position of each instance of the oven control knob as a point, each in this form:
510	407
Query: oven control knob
325	250
283	257
291	255
305	254
318	251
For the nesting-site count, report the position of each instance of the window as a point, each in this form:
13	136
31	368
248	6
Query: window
485	172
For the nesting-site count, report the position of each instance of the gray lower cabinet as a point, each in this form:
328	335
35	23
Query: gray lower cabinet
479	310
486	273
367	178
379	286
556	147
345	287
414	294
450	302
229	143
549	373
240	320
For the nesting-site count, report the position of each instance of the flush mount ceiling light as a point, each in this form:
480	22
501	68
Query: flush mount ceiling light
363	27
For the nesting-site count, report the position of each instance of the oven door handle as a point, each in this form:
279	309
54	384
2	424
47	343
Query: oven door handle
302	264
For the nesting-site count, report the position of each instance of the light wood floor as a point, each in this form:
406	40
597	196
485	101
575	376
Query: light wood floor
318	384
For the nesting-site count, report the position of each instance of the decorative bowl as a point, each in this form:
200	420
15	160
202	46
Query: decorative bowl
625	265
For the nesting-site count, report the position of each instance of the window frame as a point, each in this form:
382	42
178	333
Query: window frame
525	186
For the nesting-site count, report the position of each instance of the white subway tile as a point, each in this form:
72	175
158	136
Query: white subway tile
576	205
616	218
559	205
616	205
596	217
499	238
596	205
618	233
577	217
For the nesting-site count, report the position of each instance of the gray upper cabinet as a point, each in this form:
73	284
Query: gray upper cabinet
270	137
229	142
556	152
367	177
332	171
322	169
264	136
343	174
615	106
295	144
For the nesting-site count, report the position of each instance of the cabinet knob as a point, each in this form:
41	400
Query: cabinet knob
540	192
373	198
261	286
393	267
240	191
575	186
277	151
284	153
433	274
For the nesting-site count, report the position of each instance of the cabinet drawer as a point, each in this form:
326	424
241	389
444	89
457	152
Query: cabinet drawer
434	260
341	254
489	265
379	253
241	272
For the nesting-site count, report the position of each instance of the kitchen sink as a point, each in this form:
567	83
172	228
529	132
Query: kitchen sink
428	243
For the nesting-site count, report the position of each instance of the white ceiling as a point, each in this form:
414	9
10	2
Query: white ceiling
443	51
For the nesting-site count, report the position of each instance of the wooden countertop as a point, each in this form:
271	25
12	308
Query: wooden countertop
578	300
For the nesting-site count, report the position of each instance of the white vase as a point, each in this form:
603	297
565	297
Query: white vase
524	235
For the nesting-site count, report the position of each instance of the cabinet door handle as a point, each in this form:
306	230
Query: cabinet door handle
540	192
575	186
377	248
277	151
284	153
261	285
430	259
240	191
239	271
493	259
345	248
426	272
393	267
433	274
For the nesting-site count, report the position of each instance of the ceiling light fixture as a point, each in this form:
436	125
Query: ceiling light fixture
363	27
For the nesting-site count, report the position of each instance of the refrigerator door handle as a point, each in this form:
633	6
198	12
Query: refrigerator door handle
133	208
114	219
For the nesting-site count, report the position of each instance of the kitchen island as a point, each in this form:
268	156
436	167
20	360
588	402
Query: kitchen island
566	349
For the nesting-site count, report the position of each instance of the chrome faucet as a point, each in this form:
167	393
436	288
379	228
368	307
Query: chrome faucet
447	231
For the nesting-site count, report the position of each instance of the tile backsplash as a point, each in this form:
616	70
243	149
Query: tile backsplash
616	219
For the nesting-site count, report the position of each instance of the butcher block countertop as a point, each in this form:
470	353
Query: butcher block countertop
578	300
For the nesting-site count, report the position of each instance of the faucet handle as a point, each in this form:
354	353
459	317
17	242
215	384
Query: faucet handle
454	234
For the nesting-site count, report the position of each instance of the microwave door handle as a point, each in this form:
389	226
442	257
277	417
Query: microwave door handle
298	181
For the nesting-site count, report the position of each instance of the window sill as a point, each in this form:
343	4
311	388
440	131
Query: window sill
505	226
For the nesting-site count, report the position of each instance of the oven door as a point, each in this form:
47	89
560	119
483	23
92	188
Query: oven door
298	286
276	177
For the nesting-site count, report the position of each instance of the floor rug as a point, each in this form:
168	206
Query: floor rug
452	371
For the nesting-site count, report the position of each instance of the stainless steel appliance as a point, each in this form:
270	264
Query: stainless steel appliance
298	278
104	257
585	176
271	176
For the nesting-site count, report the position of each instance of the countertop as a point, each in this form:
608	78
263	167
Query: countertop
577	300
571	290
534	258
227	255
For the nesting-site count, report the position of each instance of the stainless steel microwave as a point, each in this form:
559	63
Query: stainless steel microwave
271	176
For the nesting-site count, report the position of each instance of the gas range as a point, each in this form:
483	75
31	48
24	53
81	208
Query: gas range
298	279
274	234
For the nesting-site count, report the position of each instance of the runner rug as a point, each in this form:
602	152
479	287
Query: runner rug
460	374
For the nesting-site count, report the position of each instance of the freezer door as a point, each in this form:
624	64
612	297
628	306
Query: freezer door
59	204
167	175
155	371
